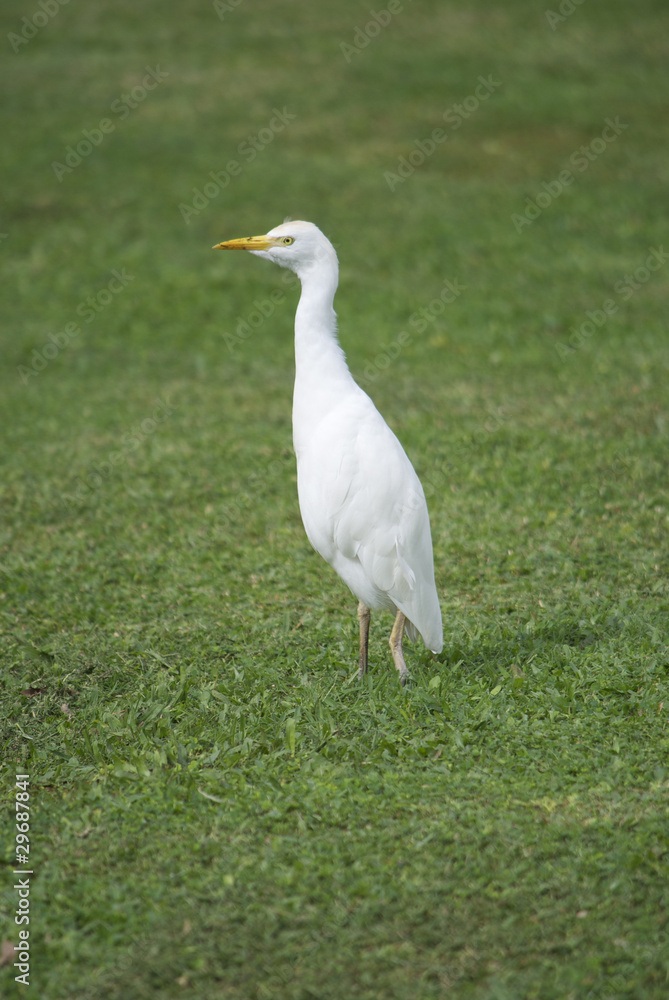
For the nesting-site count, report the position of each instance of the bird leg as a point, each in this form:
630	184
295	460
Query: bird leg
396	646
364	615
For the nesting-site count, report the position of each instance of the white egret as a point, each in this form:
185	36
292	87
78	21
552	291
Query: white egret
362	504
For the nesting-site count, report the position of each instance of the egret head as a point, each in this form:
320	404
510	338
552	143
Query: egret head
300	246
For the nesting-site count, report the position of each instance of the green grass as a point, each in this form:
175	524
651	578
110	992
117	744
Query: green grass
219	808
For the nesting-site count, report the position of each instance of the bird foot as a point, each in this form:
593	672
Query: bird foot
364	615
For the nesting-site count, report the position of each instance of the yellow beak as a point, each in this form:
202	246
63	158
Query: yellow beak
247	243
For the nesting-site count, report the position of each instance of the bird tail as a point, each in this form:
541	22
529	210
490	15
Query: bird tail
412	633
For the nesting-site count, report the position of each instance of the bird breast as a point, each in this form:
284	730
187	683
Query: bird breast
359	496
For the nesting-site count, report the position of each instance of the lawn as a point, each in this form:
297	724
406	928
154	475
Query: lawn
216	807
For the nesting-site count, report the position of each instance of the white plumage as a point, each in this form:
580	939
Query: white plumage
362	504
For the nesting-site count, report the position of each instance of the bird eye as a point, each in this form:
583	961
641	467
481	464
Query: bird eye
287	240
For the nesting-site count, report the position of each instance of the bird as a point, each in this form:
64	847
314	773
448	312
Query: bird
362	504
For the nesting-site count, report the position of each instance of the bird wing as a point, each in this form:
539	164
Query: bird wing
362	500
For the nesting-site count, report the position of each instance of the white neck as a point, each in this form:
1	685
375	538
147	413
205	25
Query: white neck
321	372
316	324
